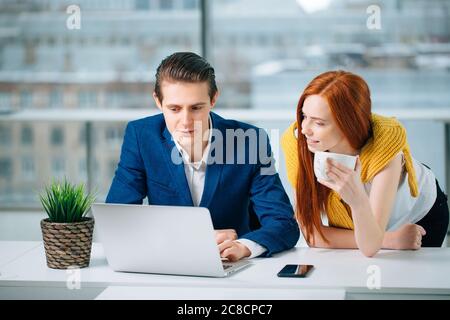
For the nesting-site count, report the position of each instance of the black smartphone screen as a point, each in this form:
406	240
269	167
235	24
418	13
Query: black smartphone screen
295	270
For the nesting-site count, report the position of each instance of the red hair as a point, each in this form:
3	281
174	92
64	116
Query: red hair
348	97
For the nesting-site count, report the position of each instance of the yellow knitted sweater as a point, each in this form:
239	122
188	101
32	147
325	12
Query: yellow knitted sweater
388	139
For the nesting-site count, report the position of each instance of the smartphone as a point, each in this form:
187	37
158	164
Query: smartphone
295	270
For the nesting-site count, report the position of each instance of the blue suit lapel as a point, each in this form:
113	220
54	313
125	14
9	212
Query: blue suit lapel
176	169
214	170
212	178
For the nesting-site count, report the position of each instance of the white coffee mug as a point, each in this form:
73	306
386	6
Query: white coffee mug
320	159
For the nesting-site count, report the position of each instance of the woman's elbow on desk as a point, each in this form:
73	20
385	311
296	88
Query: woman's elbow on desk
370	248
342	239
316	241
369	252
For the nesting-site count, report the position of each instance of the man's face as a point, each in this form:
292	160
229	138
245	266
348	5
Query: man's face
320	129
186	108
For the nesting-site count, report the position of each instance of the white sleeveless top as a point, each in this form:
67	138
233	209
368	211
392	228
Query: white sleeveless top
406	208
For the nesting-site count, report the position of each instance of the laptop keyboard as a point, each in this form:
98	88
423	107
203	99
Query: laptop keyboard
226	266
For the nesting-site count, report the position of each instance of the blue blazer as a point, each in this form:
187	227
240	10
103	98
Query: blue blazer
237	195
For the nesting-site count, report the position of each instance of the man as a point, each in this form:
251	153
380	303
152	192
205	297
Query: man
177	158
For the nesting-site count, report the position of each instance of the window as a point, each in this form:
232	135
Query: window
5	101
82	168
87	99
51	41
112	168
30	53
5	168
405	66
28	168
26	99
122	99
82	135
114	135
27	136
5	135
166	4
98	65
142	4
58	167
67	64
190	4
57	137
56	99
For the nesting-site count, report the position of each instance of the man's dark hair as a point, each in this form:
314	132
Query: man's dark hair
187	67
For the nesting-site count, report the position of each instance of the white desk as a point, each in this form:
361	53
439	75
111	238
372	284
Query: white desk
10	250
217	293
409	274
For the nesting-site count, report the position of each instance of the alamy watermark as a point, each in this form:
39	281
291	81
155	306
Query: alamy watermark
73	21
237	146
374	278
73	281
374	19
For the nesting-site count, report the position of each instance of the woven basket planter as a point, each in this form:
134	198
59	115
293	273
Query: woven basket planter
67	244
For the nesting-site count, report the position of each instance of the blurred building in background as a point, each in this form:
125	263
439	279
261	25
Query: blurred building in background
264	53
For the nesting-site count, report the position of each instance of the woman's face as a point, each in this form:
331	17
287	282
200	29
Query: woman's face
320	128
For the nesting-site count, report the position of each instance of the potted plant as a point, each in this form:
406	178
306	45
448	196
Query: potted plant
67	232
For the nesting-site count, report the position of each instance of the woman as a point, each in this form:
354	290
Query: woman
388	201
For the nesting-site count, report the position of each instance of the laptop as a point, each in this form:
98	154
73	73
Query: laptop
161	239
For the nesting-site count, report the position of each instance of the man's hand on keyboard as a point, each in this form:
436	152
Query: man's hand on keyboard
225	234
233	250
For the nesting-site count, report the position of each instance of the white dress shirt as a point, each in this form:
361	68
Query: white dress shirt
195	176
